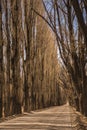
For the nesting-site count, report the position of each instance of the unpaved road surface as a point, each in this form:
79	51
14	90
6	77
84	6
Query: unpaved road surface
54	118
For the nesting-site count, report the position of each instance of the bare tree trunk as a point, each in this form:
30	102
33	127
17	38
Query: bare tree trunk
1	68
16	56
80	18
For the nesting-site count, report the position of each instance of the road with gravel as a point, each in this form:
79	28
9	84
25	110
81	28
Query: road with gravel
54	118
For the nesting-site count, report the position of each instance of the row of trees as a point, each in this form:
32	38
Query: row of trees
68	20
28	59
